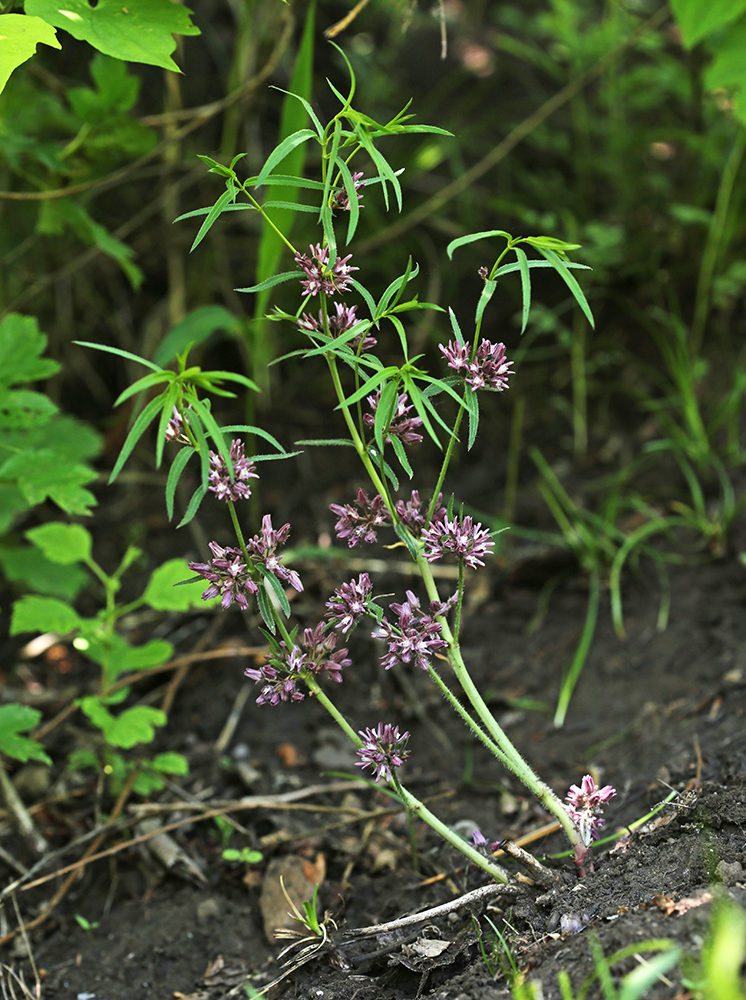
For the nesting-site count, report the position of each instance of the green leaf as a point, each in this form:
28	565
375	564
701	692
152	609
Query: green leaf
19	36
277	588
16	719
141	31
276	279
174	474
145	418
170	763
525	286
20	408
62	213
62	543
31	471
27	566
134	725
226	198
279	153
462	241
728	68
43	614
193	506
698	19
21	340
561	268
120	353
164	593
487	292
194	329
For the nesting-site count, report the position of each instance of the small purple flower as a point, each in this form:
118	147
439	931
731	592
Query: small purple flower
401	425
322	657
340	323
383	749
349	603
319	277
484	273
470	542
340	199
585	805
221	483
411	515
175	428
360	524
277	684
415	638
228	576
488	370
262	548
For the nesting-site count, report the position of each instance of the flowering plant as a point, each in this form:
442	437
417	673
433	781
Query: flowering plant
387	410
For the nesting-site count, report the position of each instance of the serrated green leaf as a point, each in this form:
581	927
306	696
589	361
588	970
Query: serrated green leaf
22	342
164	593
277	588
170	763
20	408
62	543
401	454
141	31
193	506
26	565
265	609
19	36
33	613
30	470
226	198
14	720
697	20
525	285
132	726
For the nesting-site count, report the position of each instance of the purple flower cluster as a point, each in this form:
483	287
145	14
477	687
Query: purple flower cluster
412	517
349	603
281	673
262	548
488	370
383	750
175	428
340	198
343	320
415	637
319	276
279	684
228	576
585	804
470	542
360	523
321	656
401	425
221	483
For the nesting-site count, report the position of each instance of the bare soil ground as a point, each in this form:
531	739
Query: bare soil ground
659	712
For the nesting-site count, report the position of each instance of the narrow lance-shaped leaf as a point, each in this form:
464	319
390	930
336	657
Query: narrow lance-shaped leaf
561	268
525	285
462	241
174	474
139	427
279	153
228	196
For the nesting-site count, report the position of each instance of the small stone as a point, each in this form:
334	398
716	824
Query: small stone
208	909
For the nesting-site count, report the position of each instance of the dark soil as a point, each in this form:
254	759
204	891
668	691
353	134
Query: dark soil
659	712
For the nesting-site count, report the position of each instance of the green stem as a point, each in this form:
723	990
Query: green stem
460	710
510	756
332	709
420	810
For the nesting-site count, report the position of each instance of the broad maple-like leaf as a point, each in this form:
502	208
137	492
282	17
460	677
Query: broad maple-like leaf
136	31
